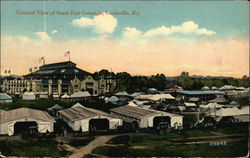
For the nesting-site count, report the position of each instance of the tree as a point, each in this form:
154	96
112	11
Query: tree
185	81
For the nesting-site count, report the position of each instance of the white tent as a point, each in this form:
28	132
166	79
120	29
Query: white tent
161	96
226	112
205	88
122	94
136	94
80	94
144	96
211	105
190	104
5	98
29	96
131	103
65	96
112	99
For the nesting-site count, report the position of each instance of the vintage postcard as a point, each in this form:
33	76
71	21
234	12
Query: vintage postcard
124	78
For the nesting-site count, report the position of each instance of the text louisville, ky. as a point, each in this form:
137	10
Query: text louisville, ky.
76	12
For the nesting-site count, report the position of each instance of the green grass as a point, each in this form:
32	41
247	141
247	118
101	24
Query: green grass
31	149
162	145
234	149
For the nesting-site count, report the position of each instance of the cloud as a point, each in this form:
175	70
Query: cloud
43	36
54	32
187	27
103	23
131	33
23	39
227	57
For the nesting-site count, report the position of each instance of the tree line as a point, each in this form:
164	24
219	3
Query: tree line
129	83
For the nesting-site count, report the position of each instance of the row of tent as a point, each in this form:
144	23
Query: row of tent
225	87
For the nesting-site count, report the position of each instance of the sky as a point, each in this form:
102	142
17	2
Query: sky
142	38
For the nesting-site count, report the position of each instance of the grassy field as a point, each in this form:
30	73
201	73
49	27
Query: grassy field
164	145
31	149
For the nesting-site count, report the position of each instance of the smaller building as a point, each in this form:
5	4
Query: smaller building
84	119
25	120
145	118
5	98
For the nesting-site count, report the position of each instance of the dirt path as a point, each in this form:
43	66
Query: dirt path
99	141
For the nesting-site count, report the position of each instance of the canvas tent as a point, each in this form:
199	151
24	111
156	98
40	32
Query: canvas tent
5	98
218	100
205	88
29	96
123	93
112	99
81	118
65	96
157	97
211	106
9	120
146	117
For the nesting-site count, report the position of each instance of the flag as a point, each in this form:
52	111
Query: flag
66	53
40	59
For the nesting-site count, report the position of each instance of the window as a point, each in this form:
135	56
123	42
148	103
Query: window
89	83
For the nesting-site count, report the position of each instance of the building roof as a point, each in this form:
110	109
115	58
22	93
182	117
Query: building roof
4	96
200	92
79	112
59	70
137	112
21	113
65	96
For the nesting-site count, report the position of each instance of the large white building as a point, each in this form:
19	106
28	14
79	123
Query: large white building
81	118
23	120
59	78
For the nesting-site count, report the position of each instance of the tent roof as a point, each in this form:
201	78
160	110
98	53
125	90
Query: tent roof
131	103
190	104
161	96
194	99
233	103
4	96
227	112
65	96
211	105
137	112
78	112
218	100
21	113
28	93
205	88
55	107
122	93
80	94
136	94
